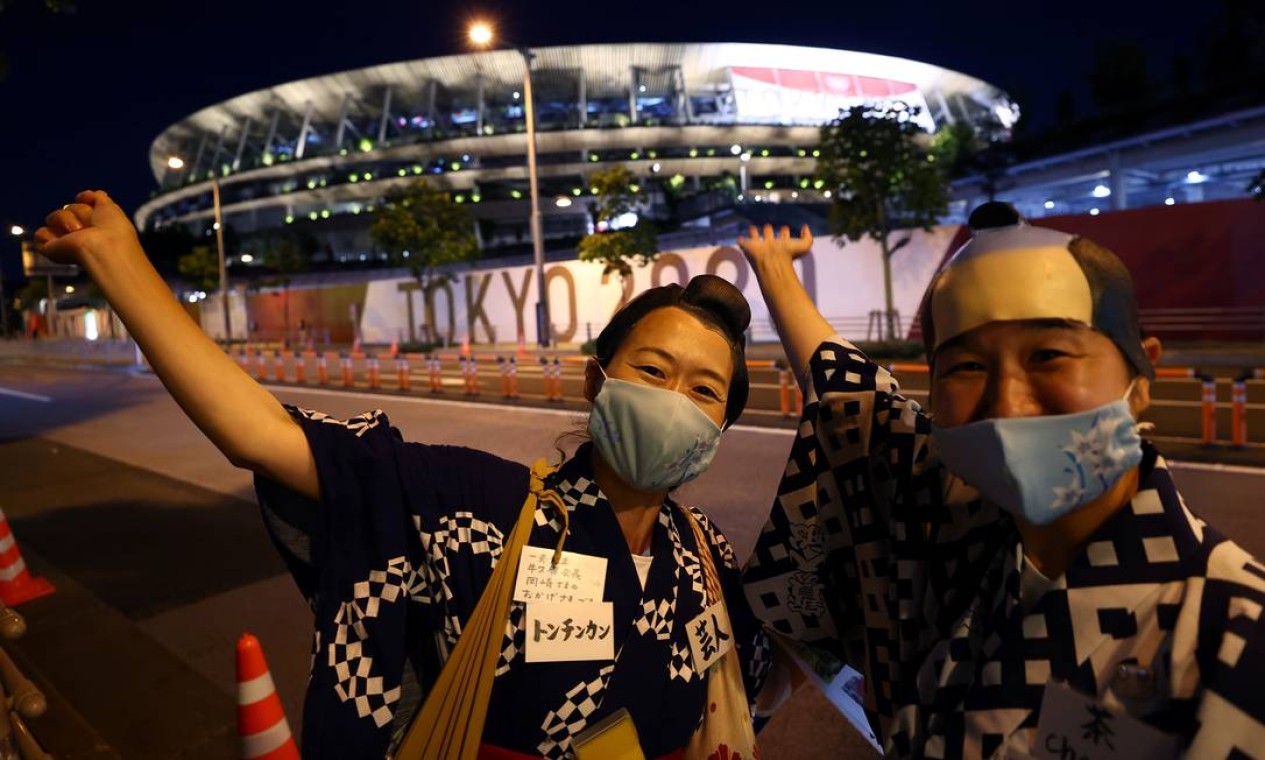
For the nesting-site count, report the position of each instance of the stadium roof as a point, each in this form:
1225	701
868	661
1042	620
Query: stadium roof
606	72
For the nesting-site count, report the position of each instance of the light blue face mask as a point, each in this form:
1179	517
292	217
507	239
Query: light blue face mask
654	439
1041	468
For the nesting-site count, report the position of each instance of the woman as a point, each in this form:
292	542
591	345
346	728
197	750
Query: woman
1014	572
394	542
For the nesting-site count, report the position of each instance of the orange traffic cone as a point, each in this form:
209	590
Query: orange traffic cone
522	345
395	347
261	723
17	585
465	345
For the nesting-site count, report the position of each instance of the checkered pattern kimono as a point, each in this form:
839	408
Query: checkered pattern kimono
396	554
875	556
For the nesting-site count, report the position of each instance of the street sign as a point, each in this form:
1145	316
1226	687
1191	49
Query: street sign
37	265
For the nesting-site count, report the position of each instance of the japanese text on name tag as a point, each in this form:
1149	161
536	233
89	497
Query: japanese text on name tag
569	632
576	578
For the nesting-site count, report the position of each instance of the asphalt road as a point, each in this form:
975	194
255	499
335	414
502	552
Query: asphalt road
161	560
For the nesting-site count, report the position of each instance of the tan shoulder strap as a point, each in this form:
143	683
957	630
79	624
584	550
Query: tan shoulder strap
450	724
710	574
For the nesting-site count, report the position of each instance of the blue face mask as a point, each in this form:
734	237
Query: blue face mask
653	438
1041	468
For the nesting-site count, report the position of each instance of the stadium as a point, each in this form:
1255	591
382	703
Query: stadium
696	123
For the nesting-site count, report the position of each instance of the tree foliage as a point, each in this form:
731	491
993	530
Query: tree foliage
421	228
617	249
200	268
30	295
286	255
884	177
165	245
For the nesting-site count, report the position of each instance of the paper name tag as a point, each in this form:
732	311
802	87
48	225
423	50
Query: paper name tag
845	689
570	631
577	577
710	637
1075	726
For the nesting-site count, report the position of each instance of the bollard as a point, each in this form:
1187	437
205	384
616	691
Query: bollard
784	391
557	380
513	370
300	368
436	374
279	369
1238	422
473	363
373	372
503	370
28	701
261	368
401	372
243	360
1208	410
322	370
345	362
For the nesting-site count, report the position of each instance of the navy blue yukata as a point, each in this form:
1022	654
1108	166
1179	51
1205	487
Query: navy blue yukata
876	556
393	560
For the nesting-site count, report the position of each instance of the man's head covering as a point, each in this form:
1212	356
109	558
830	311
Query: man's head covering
1010	270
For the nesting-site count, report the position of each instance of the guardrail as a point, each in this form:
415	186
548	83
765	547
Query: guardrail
1208	401
557	379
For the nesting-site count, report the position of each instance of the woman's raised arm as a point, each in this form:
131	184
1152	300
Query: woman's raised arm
241	418
800	326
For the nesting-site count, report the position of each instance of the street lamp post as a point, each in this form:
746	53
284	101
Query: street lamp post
17	232
481	34
177	163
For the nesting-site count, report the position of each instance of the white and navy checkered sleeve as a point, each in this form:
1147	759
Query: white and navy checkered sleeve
819	572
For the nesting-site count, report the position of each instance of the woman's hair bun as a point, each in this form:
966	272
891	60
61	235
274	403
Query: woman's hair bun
722	299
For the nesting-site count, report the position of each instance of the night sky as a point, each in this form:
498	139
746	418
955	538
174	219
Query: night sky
87	93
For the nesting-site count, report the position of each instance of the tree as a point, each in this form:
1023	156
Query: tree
287	256
32	293
422	229
200	268
165	245
614	243
884	178
982	150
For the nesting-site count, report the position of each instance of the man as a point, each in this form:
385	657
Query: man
1013	571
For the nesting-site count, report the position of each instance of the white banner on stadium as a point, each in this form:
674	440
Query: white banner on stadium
497	305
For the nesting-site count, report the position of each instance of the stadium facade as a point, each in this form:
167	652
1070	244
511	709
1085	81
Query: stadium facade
690	120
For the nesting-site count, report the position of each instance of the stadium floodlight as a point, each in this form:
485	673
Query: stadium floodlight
481	34
176	163
17	230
